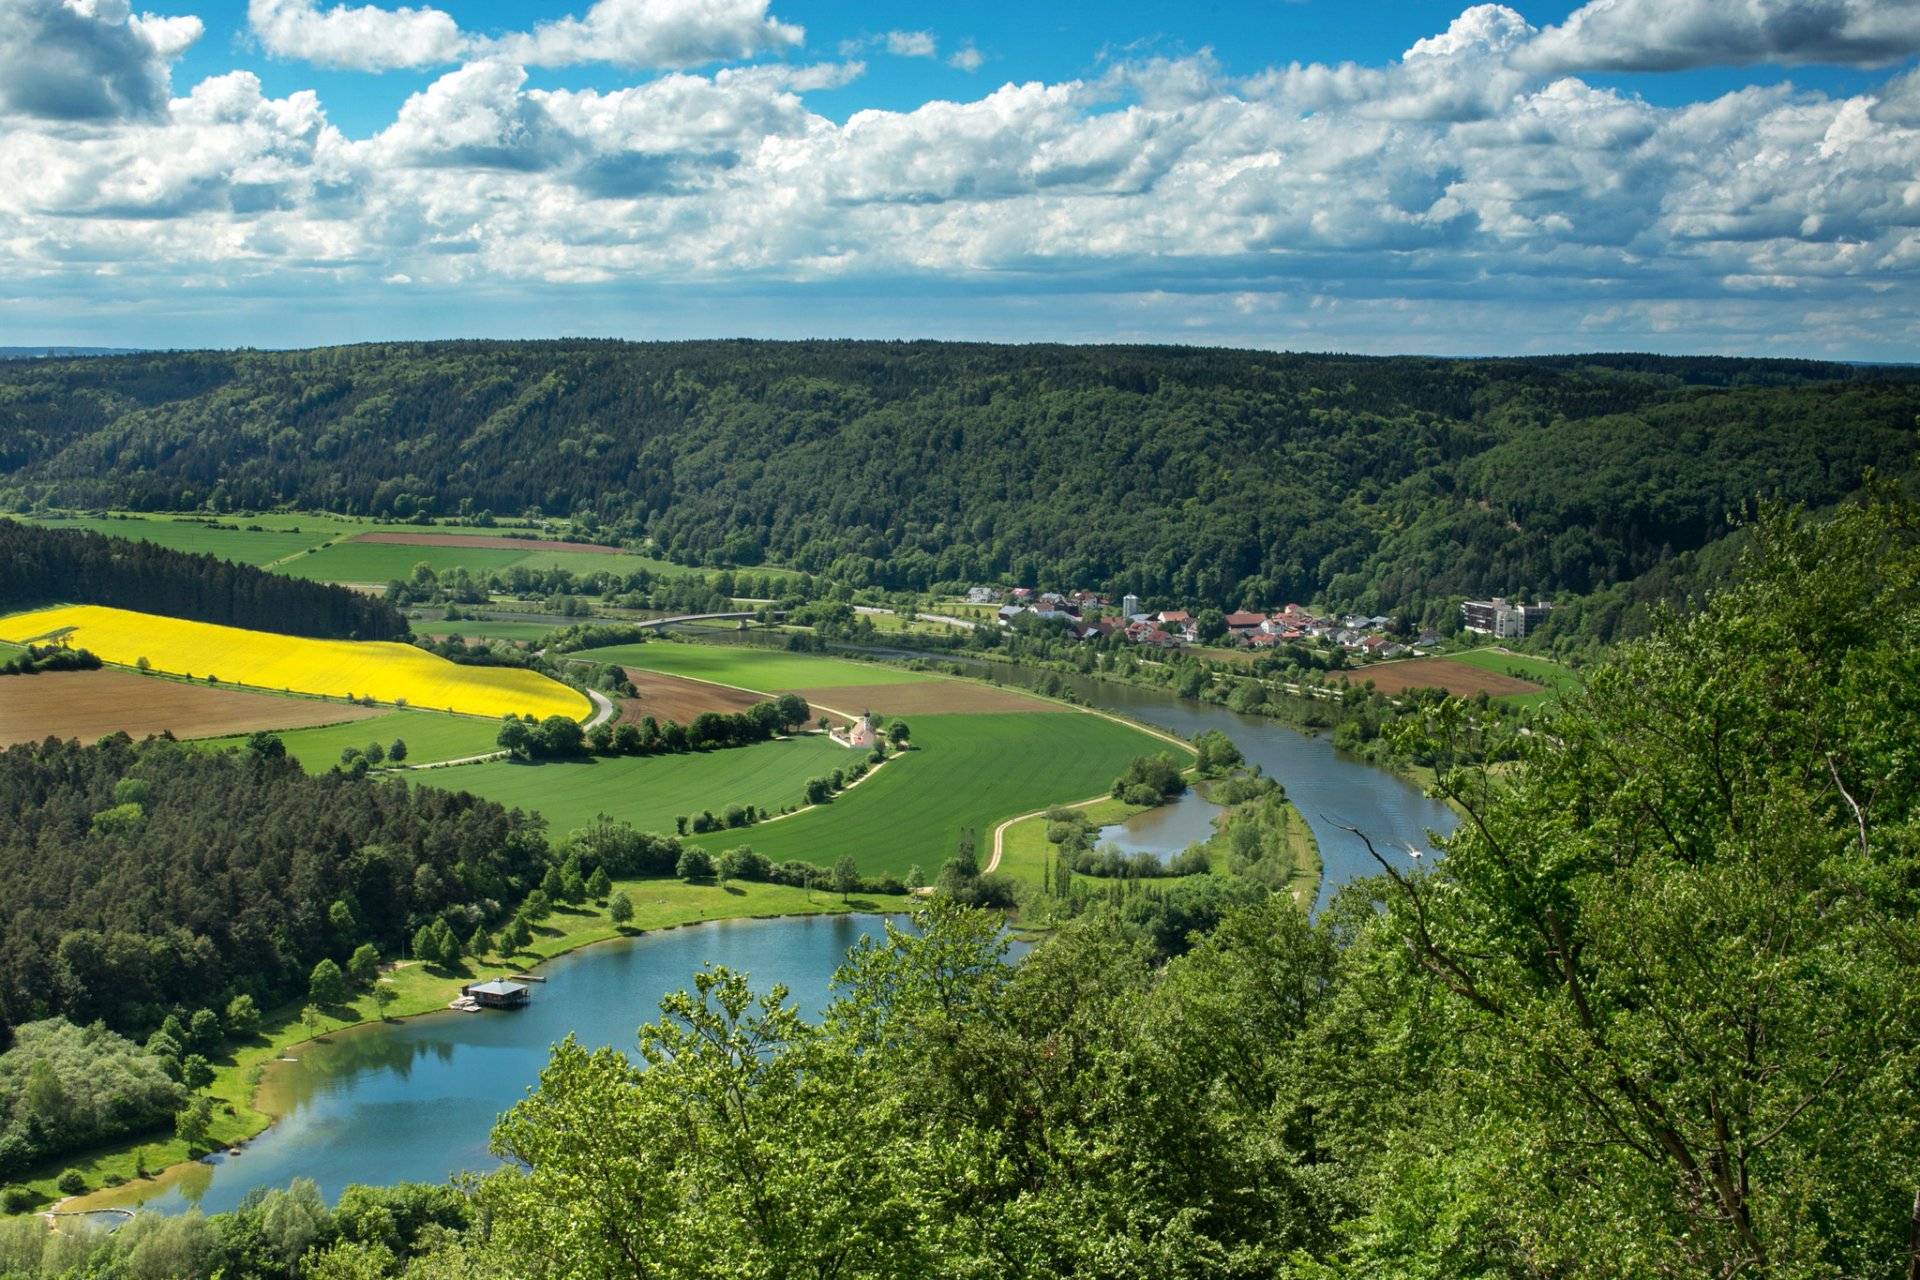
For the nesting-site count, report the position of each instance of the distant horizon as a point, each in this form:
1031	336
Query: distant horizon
66	350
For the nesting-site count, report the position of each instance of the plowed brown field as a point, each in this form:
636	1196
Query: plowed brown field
677	698
476	542
1439	673
925	697
92	704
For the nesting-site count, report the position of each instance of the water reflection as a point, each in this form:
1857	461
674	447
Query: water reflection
1333	789
415	1100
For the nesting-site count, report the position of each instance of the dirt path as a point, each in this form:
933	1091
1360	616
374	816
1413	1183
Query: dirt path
1000	832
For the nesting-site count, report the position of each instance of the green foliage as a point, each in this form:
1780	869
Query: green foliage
1217	754
64	1087
227	886
194	1121
327	986
695	864
195	1073
1149	780
846	875
1402	483
242	1017
39	564
71	1182
619	907
364	966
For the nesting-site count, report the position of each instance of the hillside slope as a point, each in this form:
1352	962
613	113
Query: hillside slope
1182	473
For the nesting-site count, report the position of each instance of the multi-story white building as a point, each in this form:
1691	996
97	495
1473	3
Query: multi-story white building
1503	620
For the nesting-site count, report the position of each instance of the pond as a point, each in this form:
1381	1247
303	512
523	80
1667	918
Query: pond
1341	796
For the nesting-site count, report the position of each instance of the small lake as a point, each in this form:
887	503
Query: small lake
415	1100
1164	831
1333	789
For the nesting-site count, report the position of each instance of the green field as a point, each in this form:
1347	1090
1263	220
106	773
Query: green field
649	791
429	735
287	536
241	545
764	670
385	561
1558	679
966	771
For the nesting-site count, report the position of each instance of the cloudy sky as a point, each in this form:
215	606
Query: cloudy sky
1734	176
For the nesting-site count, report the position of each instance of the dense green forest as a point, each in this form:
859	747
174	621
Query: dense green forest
39	566
142	880
1181	474
1651	1015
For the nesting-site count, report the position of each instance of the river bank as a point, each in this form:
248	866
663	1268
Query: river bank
1331	794
421	991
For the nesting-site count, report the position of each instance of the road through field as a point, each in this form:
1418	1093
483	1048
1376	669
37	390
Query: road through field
1000	832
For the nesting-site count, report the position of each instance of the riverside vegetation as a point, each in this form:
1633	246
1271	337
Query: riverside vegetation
1651	1014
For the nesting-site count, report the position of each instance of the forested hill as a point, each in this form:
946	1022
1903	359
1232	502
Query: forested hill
1178	473
39	566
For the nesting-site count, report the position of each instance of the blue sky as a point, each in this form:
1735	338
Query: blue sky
1729	176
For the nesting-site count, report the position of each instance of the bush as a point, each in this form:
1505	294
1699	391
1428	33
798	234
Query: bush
71	1183
16	1200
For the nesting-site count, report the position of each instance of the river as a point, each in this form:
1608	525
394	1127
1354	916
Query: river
1337	792
415	1100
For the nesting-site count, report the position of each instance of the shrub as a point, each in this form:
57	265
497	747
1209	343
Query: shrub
71	1183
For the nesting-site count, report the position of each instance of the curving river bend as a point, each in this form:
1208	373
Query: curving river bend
415	1100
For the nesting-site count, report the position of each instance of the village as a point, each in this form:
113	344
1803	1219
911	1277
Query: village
1090	616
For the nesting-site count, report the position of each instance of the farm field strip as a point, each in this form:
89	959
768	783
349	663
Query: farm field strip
89	705
429	735
383	562
761	670
677	698
1538	670
928	697
244	546
385	671
651	791
966	771
482	542
1458	678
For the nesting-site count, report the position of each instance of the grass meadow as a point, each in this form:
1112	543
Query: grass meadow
245	546
384	561
649	791
429	735
762	670
294	543
965	771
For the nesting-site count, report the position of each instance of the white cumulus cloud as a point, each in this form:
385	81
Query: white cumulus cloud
655	33
366	38
87	59
1453	183
1673	35
911	44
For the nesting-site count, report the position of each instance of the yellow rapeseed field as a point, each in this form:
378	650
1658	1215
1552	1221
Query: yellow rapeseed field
383	671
